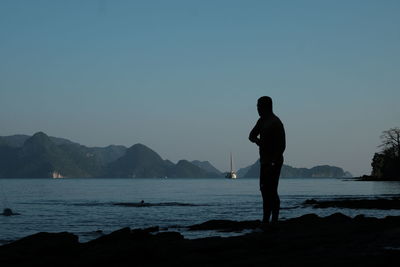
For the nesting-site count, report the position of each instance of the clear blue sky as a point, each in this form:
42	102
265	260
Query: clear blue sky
183	77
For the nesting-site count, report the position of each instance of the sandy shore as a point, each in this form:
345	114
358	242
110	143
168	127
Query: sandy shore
305	241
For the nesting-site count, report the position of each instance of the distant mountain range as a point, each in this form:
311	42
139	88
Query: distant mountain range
323	171
42	156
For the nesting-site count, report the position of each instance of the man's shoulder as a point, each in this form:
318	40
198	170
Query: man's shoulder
274	123
269	122
273	119
277	120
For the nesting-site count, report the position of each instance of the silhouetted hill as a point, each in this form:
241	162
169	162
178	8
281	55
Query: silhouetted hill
141	161
324	171
8	157
14	140
138	161
39	157
109	153
243	171
185	168
207	166
18	140
38	143
169	163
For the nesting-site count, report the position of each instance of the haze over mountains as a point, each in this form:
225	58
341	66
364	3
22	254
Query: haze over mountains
41	156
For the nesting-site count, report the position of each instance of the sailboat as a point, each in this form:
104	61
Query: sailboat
56	175
232	173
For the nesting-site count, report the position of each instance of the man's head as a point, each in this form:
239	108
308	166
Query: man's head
264	106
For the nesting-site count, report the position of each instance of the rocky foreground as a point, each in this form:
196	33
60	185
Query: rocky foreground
336	240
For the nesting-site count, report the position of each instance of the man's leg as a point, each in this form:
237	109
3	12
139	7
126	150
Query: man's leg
269	180
266	191
276	202
267	208
275	208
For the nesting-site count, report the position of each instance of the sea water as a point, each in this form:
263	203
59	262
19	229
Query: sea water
92	207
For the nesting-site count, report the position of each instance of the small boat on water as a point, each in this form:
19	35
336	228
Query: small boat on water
231	174
56	175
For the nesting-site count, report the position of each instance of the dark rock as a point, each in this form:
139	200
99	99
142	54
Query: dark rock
125	234
365	220
163	204
225	225
309	240
117	235
306	219
45	240
143	233
338	217
359	217
43	248
393	219
8	212
310	201
169	236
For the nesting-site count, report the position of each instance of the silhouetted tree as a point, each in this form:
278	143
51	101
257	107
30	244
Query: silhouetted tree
391	141
386	164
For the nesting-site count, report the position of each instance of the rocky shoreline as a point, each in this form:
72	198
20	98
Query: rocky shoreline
308	240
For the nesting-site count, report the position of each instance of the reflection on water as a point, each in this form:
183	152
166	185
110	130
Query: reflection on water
390	187
89	207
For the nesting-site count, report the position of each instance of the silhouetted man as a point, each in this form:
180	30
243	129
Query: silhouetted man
269	135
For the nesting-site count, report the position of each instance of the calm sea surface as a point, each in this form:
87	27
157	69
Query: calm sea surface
85	206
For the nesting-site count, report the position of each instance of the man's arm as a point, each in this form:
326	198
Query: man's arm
254	133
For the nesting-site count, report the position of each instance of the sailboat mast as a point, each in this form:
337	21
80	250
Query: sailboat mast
231	163
232	173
